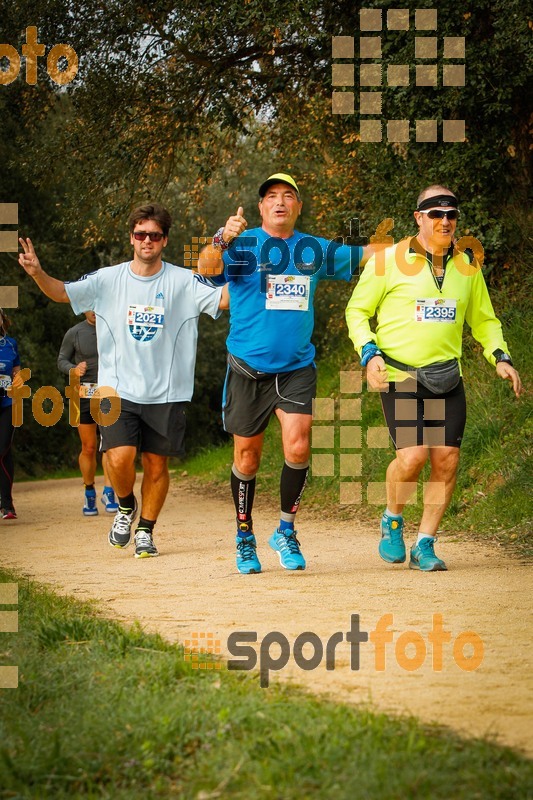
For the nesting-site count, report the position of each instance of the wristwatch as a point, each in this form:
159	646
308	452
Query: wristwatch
499	355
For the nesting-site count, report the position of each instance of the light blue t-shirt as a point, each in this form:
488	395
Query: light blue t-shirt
147	328
272	285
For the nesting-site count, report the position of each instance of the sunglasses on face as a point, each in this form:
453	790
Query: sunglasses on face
438	213
154	236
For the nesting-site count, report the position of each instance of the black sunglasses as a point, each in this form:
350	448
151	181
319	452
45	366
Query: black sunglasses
154	236
437	213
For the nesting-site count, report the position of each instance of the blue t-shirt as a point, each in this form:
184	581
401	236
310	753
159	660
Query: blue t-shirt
147	328
9	358
272	285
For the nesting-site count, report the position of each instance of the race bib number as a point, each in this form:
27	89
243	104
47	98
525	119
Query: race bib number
288	292
145	322
88	389
435	309
5	381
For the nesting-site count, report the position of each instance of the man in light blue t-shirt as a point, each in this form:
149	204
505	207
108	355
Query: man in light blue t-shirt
272	273
147	328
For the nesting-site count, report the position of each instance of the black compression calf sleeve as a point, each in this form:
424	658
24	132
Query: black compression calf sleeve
292	484
243	491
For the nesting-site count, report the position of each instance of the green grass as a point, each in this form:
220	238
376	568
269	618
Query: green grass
105	712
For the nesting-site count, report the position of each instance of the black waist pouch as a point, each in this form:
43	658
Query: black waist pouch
242	368
440	377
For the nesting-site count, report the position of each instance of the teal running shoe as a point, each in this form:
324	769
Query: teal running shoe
423	557
392	546
287	547
247	561
89	509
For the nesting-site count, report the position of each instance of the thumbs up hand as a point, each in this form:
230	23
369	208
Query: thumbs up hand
234	226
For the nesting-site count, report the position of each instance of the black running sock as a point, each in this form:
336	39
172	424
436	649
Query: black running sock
146	524
88	486
243	491
127	503
291	486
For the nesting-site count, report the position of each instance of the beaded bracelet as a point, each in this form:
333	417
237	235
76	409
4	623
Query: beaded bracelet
219	242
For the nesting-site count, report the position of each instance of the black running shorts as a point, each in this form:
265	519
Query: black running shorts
248	404
419	417
85	412
157	428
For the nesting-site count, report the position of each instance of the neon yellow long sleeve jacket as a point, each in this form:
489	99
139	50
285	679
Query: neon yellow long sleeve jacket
397	283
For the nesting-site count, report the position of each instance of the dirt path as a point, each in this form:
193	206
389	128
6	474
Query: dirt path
193	587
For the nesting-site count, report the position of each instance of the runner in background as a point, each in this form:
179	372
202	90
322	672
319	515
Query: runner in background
9	369
79	352
423	293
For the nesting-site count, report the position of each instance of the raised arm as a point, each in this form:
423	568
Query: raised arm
51	287
210	261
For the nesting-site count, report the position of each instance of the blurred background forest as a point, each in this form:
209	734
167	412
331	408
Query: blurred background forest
194	104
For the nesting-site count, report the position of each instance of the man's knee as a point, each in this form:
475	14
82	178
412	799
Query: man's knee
156	466
297	450
247	460
444	461
88	450
412	459
120	457
296	435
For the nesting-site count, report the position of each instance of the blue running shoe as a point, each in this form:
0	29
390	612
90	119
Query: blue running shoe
89	509
247	561
287	547
392	546
423	556
109	500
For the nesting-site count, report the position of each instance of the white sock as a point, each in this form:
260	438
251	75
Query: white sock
424	536
391	514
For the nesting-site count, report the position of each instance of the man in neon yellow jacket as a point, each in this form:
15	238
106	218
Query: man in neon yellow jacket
423	290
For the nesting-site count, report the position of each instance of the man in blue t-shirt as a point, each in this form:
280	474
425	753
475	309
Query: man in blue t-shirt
147	327
272	274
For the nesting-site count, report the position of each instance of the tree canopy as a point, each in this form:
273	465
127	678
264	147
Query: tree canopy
194	103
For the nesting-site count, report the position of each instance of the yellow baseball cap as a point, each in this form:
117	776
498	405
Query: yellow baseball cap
278	177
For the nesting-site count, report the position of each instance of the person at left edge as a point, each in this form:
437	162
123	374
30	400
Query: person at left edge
9	369
272	272
147	328
79	351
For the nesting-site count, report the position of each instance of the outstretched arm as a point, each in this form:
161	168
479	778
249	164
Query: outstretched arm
51	287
